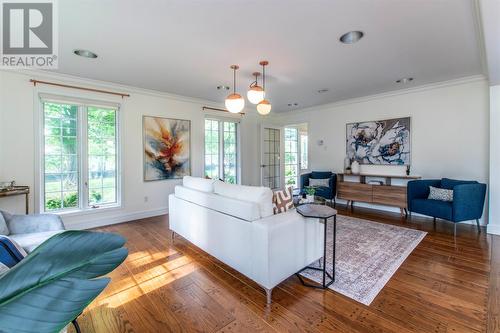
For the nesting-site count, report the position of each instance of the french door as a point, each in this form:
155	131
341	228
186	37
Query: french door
271	156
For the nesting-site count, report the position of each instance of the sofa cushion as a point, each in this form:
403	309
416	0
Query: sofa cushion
245	210
434	208
442	194
4	230
449	184
30	241
263	196
321	174
200	184
282	200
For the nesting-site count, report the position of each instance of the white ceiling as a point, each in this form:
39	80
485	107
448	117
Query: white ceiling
186	46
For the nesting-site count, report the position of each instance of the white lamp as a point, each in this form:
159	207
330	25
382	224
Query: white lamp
264	107
256	94
234	102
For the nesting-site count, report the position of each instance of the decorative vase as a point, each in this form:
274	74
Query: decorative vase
347	163
310	198
355	167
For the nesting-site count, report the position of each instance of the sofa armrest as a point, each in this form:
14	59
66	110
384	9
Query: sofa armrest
27	224
468	201
304	181
333	184
419	189
282	244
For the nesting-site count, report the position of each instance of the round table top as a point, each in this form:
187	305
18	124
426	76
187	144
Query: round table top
317	211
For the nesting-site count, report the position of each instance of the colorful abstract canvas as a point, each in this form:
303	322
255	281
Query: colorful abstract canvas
379	142
166	148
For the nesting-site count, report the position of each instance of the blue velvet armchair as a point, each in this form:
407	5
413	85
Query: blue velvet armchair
467	204
329	192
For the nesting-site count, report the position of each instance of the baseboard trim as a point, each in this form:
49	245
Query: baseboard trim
115	219
493	229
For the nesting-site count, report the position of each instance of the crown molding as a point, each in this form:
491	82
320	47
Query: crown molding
481	44
90	83
393	93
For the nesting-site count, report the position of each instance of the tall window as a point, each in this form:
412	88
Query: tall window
221	150
303	151
291	156
79	156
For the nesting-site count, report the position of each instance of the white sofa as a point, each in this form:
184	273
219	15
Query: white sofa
236	225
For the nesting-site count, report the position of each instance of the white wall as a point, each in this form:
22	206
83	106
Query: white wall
449	123
494	221
18	99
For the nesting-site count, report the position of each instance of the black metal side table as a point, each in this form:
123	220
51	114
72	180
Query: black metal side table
321	212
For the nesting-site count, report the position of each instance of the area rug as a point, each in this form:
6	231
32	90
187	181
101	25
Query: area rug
368	254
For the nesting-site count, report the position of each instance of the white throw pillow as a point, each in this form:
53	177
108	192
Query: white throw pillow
325	182
441	194
263	196
200	184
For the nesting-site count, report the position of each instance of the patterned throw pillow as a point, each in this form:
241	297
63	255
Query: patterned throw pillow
441	194
282	200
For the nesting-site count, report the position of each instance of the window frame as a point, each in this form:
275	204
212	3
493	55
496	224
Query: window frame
82	154
297	153
221	121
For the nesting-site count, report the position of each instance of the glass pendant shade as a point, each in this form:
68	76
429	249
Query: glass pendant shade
256	94
234	103
264	107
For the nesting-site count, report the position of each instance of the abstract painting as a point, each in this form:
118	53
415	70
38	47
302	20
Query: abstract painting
166	148
379	142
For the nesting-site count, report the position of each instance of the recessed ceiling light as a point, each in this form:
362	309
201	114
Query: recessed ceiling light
321	91
222	87
85	53
405	80
351	37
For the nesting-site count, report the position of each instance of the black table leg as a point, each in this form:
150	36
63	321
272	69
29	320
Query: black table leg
326	274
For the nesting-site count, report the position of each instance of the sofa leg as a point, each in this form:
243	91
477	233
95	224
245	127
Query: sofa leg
434	220
334	203
268	295
454	230
172	236
478	226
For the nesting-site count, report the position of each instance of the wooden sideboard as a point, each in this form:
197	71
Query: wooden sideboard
387	194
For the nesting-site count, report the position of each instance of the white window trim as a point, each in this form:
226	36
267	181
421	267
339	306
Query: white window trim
39	125
221	145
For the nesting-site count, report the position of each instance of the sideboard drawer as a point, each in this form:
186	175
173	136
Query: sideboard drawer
390	195
354	191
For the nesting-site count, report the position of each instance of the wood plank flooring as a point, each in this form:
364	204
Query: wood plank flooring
446	285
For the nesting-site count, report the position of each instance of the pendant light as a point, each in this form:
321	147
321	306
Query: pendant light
234	102
256	94
264	107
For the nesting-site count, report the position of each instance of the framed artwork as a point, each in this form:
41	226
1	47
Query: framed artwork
385	142
167	148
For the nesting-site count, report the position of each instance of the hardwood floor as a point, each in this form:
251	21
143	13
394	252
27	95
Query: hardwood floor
443	286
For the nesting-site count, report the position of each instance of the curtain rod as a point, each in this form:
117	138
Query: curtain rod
221	110
35	82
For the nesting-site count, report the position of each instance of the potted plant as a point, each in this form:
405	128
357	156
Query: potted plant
310	191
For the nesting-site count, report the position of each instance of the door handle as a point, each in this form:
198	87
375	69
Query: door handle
263	165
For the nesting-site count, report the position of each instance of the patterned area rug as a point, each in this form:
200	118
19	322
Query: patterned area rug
368	254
